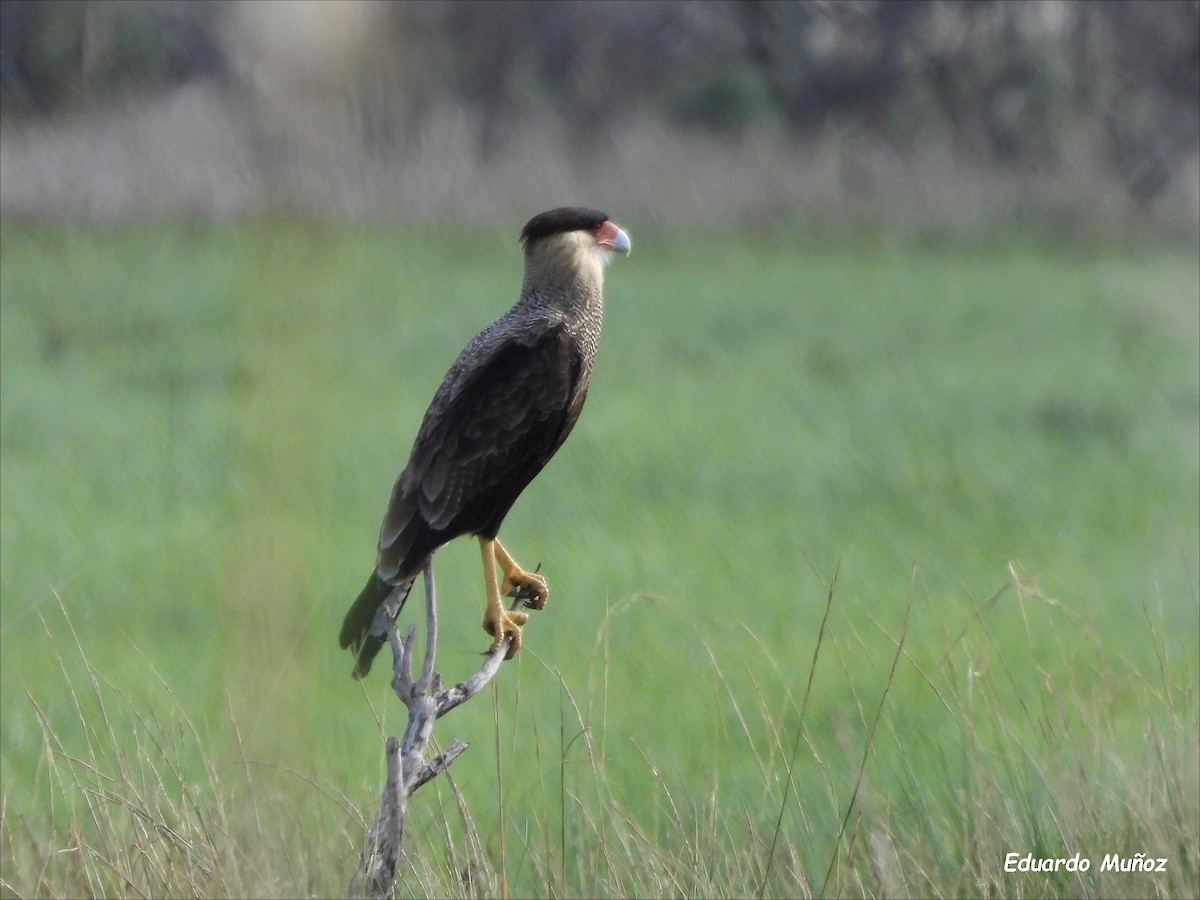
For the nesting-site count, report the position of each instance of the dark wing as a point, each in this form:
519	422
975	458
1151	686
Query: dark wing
493	425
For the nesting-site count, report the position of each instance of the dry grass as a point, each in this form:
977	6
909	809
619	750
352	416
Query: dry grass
209	153
140	801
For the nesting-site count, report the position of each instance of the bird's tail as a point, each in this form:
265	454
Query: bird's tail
360	630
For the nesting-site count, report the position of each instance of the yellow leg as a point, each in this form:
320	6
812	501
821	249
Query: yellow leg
530	585
498	621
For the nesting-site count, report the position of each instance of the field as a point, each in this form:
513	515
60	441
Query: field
871	561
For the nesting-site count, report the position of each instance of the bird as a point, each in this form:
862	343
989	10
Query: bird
502	411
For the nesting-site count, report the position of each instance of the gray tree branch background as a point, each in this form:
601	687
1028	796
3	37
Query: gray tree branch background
925	114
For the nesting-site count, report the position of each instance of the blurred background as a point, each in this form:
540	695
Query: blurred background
918	114
906	357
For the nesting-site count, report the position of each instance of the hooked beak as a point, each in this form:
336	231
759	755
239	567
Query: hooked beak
613	237
621	243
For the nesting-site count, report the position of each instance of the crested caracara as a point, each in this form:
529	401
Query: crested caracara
507	403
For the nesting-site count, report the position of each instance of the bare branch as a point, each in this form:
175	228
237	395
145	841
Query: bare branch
451	697
401	659
407	767
440	763
376	875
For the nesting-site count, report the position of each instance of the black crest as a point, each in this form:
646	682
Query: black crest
561	220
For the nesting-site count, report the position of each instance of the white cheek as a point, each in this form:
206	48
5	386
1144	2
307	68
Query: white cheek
591	262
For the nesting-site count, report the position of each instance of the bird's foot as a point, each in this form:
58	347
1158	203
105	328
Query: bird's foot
505	623
529	587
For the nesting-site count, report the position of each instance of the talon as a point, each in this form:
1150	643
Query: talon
527	586
507	624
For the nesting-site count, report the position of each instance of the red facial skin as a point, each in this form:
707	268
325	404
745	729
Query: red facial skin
606	234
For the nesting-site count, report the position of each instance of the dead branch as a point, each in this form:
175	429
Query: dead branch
407	765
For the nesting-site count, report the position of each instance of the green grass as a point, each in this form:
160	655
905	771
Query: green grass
995	449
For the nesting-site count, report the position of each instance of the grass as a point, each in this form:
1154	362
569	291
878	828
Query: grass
995	449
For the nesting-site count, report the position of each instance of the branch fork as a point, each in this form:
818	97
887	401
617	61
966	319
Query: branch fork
408	767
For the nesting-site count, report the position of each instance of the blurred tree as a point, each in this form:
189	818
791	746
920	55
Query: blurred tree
833	59
54	53
16	34
1012	84
491	42
1150	63
598	63
994	79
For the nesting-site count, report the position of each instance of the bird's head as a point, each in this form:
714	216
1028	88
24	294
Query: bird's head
571	243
